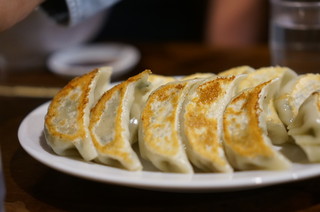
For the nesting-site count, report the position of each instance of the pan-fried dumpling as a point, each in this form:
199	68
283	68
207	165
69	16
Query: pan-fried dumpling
198	76
265	74
246	143
155	81
109	124
159	138
237	71
305	129
158	80
293	94
67	119
276	129
201	122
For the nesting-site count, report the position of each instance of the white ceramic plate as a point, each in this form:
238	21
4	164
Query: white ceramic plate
32	140
78	60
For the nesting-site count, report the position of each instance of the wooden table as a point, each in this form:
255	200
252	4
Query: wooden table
32	186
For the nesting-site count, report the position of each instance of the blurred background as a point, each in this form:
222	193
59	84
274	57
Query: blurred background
156	20
29	43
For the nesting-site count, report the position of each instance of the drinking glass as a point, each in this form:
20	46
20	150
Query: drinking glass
295	34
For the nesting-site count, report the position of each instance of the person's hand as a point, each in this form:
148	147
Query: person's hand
13	11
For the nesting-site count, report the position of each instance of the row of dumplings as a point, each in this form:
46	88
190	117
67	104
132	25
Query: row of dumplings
213	123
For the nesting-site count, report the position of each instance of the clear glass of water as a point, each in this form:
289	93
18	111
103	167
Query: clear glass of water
295	34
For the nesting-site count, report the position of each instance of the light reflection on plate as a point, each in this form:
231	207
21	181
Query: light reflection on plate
32	140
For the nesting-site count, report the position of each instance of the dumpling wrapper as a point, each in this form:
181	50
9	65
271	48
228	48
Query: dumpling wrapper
265	74
305	129
276	129
293	94
157	80
246	143
236	71
198	76
159	137
201	122
154	82
67	119
109	124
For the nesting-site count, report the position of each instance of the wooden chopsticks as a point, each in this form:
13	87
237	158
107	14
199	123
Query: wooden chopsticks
28	91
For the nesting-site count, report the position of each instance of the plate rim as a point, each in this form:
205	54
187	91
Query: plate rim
197	182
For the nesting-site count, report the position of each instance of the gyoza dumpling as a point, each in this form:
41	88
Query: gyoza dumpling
159	138
154	81
198	76
237	71
67	119
305	129
265	74
158	80
109	124
201	122
276	129
246	143
290	98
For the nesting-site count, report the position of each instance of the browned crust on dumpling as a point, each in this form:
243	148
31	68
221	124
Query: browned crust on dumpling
246	138
196	119
114	148
79	90
164	94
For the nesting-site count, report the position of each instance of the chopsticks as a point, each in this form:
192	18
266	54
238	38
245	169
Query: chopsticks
28	91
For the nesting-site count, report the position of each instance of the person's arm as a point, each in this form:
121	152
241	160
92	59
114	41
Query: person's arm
72	12
235	22
69	12
13	11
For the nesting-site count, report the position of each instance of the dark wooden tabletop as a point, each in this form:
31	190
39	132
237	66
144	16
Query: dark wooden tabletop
32	186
